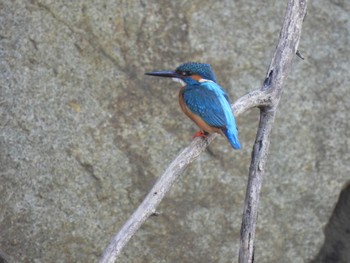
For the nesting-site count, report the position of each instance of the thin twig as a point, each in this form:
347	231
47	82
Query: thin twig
278	72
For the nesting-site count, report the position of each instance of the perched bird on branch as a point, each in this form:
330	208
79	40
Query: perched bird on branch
203	100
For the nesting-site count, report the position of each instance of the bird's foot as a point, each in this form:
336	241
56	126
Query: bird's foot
200	134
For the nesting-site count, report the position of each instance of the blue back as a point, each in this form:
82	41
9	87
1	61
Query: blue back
209	101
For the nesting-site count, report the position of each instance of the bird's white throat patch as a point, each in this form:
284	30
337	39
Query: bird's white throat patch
184	84
180	81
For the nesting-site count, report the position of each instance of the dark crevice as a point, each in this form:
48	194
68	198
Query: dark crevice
267	82
336	247
2	260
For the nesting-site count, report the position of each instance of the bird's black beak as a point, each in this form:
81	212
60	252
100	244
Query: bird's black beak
165	74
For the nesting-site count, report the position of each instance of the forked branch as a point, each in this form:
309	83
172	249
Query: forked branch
166	180
266	98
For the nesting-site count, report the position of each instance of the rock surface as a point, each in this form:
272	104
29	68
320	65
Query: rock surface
84	134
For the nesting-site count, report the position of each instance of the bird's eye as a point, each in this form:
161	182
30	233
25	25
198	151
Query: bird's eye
184	73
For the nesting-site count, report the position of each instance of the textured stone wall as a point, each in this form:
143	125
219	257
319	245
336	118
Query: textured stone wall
84	134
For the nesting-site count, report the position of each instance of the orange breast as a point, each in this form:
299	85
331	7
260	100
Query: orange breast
194	117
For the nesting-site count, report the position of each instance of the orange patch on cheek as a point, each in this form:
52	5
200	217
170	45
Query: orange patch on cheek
196	77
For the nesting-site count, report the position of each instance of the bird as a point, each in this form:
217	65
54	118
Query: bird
203	100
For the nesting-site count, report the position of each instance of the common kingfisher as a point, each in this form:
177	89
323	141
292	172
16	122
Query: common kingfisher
203	100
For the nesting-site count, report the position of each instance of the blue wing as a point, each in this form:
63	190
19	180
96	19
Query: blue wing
206	104
209	101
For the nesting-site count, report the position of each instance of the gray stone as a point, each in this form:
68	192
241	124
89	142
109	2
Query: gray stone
84	134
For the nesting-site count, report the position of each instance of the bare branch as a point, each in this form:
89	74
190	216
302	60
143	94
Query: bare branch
166	180
278	71
266	98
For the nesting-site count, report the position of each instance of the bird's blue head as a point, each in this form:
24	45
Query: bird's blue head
196	68
186	71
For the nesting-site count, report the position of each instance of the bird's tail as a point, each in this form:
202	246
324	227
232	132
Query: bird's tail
233	139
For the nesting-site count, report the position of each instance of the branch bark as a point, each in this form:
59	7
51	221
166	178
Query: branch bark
278	72
266	98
